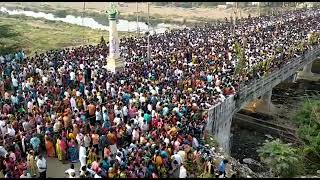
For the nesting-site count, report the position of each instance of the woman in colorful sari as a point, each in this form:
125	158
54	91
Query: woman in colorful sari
21	166
72	151
49	147
31	163
35	142
17	151
58	149
63	148
92	156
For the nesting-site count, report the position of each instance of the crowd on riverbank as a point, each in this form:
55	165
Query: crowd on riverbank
147	120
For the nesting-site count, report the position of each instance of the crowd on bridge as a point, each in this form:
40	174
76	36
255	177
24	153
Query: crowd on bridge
149	119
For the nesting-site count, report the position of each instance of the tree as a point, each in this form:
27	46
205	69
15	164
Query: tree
314	38
241	65
282	159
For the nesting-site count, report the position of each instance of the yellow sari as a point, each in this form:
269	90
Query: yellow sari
32	166
58	150
91	157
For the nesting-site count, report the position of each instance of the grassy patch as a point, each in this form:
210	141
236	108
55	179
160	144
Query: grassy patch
38	35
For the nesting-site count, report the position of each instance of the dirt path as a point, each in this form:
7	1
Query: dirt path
56	168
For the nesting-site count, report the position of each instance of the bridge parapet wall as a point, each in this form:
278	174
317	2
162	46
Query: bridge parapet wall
220	115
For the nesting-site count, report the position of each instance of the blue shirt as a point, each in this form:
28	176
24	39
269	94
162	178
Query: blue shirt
209	78
222	167
165	111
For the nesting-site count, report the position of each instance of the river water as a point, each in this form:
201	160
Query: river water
122	25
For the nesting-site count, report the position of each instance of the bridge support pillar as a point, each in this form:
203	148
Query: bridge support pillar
262	105
307	74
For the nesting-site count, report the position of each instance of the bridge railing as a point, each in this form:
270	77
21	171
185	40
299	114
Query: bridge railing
261	86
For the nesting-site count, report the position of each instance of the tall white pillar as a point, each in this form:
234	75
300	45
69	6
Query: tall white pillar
115	62
113	40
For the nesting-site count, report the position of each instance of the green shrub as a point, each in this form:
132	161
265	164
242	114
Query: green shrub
308	120
282	159
61	13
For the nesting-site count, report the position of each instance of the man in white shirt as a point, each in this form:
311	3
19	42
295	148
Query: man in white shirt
3	126
15	82
82	156
11	131
25	174
57	126
30	106
183	172
70	171
177	157
2	60
125	113
72	76
117	120
73	103
42	166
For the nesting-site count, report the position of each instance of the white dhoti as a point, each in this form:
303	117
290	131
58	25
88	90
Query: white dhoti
113	149
82	162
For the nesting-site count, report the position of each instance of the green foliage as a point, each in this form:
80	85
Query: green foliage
211	141
241	65
314	38
308	120
205	175
282	159
61	13
9	40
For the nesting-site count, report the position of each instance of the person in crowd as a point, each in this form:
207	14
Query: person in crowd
31	163
25	174
71	171
42	166
49	147
222	167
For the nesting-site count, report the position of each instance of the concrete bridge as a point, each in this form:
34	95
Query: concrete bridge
220	115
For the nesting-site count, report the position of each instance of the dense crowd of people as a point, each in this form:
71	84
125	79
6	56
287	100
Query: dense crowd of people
146	120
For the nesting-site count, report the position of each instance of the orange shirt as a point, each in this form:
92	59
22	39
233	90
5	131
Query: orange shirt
112	138
91	109
95	139
106	152
158	161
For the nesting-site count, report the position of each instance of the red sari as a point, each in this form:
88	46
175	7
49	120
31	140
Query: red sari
50	148
20	168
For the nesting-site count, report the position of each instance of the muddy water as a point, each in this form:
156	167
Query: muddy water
287	97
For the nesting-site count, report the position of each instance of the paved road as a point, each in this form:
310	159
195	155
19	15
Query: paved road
56	168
